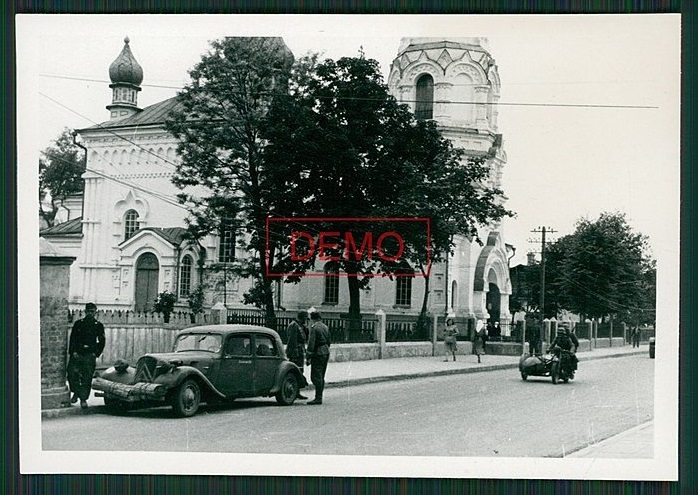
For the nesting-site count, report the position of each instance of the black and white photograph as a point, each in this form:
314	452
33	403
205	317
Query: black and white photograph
349	245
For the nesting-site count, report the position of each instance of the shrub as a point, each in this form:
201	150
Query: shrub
165	304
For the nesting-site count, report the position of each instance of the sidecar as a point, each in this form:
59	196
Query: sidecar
544	365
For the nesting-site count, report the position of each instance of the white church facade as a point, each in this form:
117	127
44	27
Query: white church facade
130	241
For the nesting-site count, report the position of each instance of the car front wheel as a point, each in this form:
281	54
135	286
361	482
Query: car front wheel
186	399
289	390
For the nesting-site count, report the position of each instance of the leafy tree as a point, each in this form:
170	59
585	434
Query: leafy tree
525	288
164	304
346	148
603	269
448	188
218	123
60	174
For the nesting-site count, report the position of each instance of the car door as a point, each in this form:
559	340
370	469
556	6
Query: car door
267	359
236	376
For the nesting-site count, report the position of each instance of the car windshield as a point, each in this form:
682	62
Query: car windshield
210	342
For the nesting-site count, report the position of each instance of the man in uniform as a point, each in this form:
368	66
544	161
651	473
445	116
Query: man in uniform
566	340
318	355
85	346
297	334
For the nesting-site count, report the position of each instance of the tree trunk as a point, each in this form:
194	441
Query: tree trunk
354	299
422	320
270	314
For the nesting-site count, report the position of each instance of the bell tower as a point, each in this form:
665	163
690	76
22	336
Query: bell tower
455	82
126	75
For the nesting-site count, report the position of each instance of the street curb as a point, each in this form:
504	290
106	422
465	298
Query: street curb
101	409
70	411
411	376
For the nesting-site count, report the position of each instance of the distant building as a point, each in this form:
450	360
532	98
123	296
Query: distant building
130	243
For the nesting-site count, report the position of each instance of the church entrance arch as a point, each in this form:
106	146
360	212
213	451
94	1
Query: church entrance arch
494	302
147	276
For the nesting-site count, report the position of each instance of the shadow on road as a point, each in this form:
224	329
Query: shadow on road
206	408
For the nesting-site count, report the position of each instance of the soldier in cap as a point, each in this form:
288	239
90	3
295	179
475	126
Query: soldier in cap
85	346
318	354
297	334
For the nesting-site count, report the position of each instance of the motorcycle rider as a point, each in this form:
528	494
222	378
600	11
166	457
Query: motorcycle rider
567	341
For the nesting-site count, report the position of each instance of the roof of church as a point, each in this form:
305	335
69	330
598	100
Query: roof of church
125	69
73	226
413	44
151	115
173	235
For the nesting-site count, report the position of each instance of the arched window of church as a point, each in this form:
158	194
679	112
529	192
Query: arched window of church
424	106
130	224
331	295
226	243
185	276
454	294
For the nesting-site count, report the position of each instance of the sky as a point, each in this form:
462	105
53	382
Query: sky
589	107
589	112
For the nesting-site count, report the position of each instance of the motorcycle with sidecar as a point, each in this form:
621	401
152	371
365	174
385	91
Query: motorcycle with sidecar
558	365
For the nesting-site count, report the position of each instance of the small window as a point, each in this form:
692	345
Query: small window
403	286
226	244
238	345
331	295
424	106
403	291
185	276
265	346
130	224
454	294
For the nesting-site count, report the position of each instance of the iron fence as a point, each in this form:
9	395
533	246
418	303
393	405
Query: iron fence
341	331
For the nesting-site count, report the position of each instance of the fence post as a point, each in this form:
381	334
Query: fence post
625	333
219	313
546	333
434	334
594	330
381	329
610	333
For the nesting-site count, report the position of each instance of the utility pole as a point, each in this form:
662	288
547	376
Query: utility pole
542	231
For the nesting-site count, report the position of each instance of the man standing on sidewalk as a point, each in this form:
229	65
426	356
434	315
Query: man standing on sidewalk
297	334
85	346
318	355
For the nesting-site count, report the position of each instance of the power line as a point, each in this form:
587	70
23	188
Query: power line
357	98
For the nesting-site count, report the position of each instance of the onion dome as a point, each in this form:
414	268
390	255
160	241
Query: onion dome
125	69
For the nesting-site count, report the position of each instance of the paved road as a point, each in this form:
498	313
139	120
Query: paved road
483	414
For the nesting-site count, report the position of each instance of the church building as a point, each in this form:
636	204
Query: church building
130	243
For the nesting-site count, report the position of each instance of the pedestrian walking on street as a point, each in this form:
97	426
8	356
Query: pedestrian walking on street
636	336
297	334
450	333
84	347
479	339
318	354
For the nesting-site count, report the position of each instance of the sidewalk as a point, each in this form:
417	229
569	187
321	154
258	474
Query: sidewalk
349	373
637	442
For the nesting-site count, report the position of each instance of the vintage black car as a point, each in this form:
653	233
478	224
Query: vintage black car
209	363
